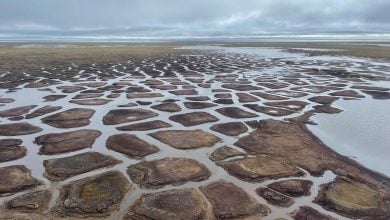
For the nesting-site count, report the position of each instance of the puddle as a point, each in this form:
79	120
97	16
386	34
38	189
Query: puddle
360	132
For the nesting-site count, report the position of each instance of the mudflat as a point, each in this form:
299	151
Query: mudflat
177	130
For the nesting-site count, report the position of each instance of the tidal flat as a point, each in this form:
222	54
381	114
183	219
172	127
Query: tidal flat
194	130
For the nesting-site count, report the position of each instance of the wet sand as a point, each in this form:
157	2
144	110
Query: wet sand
114	131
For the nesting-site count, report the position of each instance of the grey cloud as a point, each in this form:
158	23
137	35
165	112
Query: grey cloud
191	17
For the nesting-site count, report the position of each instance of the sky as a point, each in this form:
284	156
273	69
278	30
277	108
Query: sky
190	18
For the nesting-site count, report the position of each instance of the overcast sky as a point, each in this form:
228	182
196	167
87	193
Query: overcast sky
161	18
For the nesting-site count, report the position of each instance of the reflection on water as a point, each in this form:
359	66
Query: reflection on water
361	131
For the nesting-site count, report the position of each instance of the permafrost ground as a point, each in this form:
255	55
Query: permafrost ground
207	133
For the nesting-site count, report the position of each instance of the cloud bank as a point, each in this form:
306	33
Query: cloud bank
191	18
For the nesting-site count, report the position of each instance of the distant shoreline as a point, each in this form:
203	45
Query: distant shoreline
276	38
371	49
